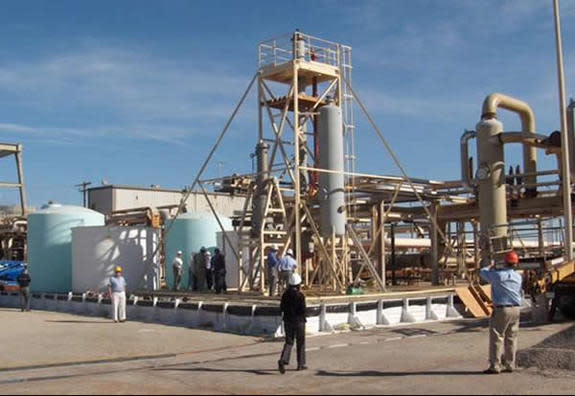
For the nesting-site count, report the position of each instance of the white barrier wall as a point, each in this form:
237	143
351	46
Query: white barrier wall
263	320
97	250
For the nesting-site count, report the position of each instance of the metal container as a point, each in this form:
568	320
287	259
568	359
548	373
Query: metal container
189	233
50	244
331	193
97	250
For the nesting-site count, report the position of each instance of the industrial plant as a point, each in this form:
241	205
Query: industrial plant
379	248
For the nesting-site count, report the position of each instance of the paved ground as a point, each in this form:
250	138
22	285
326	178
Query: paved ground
53	353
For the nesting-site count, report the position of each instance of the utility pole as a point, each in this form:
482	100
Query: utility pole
83	188
565	168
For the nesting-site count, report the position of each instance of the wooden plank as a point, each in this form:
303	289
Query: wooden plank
479	296
470	302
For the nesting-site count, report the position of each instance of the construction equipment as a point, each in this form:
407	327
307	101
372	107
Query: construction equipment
9	272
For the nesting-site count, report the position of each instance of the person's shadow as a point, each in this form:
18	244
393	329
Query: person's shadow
371	373
212	370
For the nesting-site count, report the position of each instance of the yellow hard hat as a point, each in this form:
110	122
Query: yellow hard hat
118	269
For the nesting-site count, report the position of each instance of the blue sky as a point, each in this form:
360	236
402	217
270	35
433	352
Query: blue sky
135	92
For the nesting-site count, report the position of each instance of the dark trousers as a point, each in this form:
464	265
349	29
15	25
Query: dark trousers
295	331
25	298
220	282
272	281
284	277
210	279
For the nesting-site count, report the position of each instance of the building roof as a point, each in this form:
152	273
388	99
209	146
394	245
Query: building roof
142	188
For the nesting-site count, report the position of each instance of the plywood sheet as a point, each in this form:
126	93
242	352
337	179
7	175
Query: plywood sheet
470	301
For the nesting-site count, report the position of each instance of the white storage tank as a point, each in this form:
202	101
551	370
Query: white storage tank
50	244
97	250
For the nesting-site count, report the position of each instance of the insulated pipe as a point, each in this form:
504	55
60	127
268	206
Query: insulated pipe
571	132
496	100
465	171
491	177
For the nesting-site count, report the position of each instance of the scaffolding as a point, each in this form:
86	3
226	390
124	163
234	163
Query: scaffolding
297	74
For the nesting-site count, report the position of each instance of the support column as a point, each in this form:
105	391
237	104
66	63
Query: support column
434	246
18	156
381	242
540	238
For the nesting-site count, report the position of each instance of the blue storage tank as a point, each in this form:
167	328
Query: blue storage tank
50	244
189	233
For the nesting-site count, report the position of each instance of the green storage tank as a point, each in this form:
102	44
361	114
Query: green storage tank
189	233
50	244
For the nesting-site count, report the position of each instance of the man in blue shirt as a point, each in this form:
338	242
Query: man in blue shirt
287	265
272	267
506	294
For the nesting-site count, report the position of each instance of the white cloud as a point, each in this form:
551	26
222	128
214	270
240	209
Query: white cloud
107	91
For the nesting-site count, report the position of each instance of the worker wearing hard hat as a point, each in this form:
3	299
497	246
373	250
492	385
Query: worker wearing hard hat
209	270
24	281
219	269
272	269
506	294
200	270
178	269
117	290
286	267
293	308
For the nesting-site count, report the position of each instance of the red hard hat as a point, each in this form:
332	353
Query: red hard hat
511	258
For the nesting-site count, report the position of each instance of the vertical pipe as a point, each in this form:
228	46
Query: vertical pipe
21	180
393	278
260	197
492	194
566	173
571	131
381	242
331	185
475	244
540	237
434	246
297	181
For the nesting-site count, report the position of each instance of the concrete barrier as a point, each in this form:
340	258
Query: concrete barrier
249	319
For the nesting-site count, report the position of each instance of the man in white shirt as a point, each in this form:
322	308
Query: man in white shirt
287	266
178	268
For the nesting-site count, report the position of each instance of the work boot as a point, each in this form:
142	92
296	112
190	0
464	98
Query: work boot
492	370
508	369
281	367
302	368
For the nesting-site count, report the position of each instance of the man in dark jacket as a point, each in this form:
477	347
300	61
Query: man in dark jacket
219	269
293	307
24	281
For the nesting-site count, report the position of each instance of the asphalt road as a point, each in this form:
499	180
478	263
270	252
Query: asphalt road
54	353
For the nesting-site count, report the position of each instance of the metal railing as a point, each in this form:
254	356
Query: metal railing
281	49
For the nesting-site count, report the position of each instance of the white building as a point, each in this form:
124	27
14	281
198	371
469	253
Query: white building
109	198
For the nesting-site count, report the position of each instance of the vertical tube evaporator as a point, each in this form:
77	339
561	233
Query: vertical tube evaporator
331	185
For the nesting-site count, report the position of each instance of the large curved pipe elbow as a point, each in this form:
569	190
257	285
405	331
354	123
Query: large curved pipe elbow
490	106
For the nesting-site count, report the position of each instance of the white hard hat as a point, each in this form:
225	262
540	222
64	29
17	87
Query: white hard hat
275	247
289	252
180	253
208	253
295	280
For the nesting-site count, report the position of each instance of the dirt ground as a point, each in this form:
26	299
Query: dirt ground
53	353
